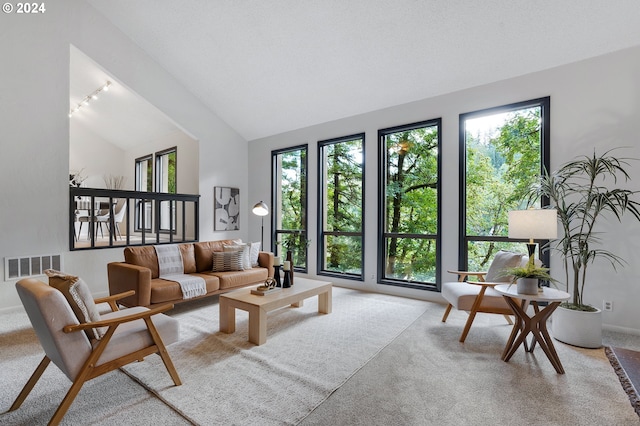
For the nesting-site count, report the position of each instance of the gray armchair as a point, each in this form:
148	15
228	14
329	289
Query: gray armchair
129	335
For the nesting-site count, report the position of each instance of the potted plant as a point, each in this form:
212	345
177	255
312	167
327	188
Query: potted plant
583	191
527	277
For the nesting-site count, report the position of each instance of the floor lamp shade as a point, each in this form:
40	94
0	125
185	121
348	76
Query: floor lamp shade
261	209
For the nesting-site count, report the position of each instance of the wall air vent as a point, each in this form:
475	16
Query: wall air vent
16	268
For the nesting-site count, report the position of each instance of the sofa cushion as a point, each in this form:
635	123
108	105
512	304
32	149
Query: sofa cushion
462	295
240	279
79	298
143	256
168	291
188	258
204	253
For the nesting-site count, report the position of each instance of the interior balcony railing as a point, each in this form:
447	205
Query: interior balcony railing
104	218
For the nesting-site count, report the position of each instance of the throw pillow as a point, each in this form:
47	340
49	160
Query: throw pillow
502	260
245	249
255	251
227	261
77	293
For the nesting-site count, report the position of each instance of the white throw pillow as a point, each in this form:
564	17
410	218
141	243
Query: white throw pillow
246	253
255	251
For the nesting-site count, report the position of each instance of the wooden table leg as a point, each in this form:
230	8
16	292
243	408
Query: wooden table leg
227	317
536	325
324	302
257	325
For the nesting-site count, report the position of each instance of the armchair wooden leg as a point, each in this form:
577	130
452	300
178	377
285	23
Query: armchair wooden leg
162	351
508	318
31	383
446	313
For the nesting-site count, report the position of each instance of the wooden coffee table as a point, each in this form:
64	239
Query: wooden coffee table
258	306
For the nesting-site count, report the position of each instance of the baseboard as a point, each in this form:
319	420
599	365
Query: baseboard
619	329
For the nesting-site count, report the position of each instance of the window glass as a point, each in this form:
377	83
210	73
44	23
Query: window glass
410	204
504	152
289	199
341	169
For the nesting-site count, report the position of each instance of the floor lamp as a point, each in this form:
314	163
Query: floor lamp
534	224
261	209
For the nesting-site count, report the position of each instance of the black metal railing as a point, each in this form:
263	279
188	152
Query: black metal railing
130	218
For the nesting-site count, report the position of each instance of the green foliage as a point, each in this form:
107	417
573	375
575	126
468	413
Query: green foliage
583	191
500	169
530	270
411	203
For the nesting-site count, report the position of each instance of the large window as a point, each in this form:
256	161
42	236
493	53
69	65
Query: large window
340	205
503	151
289	200
409	235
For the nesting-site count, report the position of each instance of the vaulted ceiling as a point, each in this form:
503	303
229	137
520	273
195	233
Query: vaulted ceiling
266	67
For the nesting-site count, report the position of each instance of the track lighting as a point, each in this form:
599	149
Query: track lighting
90	97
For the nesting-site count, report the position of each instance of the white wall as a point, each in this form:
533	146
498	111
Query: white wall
95	157
594	103
34	133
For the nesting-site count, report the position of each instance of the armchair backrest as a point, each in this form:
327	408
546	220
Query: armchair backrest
49	312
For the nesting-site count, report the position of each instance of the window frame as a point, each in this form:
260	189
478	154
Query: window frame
304	204
158	175
322	189
140	221
463	240
382	190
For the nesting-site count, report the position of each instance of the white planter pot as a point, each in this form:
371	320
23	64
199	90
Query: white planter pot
577	328
527	285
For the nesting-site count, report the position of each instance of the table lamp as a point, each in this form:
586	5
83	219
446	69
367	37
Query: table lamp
534	224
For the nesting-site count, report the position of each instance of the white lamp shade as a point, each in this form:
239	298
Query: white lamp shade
534	224
260	209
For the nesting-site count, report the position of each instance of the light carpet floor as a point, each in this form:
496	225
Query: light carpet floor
424	376
227	380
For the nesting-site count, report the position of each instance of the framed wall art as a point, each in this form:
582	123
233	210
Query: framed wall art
226	208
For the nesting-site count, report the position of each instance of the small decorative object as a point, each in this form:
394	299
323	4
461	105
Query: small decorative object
114	182
276	271
287	276
76	178
290	260
269	286
226	208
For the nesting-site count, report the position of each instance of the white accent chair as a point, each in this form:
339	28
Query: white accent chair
479	296
130	335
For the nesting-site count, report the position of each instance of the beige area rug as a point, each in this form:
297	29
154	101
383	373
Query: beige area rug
227	380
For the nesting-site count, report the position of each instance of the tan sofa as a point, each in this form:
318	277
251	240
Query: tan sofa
140	272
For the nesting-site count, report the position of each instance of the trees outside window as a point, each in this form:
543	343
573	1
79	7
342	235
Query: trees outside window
409	216
289	201
503	152
340	207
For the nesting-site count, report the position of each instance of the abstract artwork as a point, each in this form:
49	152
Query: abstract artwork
226	208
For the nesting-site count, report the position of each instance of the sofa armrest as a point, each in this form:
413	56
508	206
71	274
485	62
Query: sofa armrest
265	260
124	277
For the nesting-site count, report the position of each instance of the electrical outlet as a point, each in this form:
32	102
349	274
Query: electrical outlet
373	277
607	305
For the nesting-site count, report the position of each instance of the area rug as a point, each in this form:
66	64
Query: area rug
626	364
307	356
